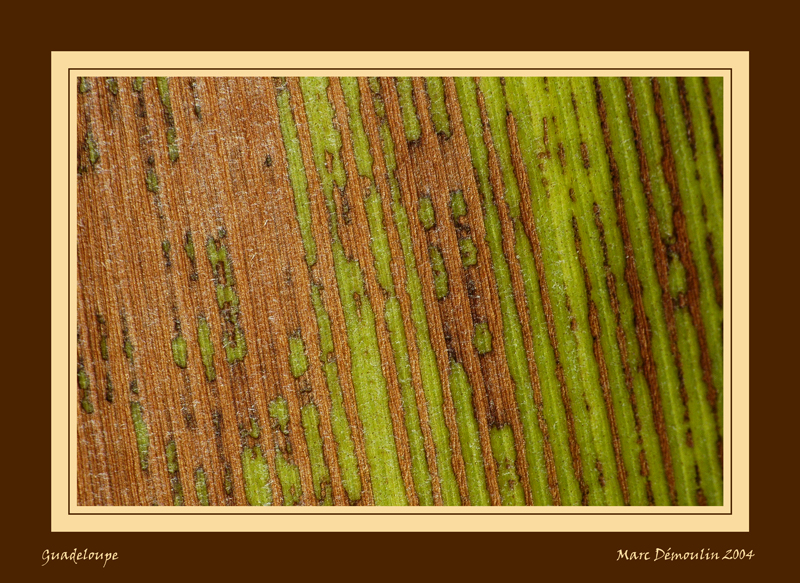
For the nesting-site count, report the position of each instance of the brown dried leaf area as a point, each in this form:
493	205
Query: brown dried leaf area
398	291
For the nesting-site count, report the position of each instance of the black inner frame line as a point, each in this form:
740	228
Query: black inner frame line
70	377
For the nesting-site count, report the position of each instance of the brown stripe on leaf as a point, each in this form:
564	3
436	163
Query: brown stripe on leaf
529	226
687	116
622	337
600	477
356	188
585	155
684	248
546	138
400	277
645	471
409	190
713	115
323	272
714	270
594	326
562	155
292	254
488	373
509	251
643	333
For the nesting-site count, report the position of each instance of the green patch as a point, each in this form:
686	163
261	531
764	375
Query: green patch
85	385
109	388
289	477
297	175
179	350
255	472
127	348
201	486
482	338
172	468
172	144
298	361
151	180
166	101
226	296
345	447
441	121
112	85
323	323
677	278
142	434
206	347
352	97
163	92
177	492
198	108
416	443
319	469
405	90
374	84
172	457
511	492
440	284
326	140
227	482
469	253
188	247
368	380
91	145
379	242
279	412
458	205
431	380
469	435
227	299
236	346
255	430
515	353
427	215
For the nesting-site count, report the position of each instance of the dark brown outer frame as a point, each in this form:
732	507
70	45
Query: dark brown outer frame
211	554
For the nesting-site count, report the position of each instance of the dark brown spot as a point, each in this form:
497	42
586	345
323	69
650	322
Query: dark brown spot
529	225
714	270
714	114
687	115
682	236
546	136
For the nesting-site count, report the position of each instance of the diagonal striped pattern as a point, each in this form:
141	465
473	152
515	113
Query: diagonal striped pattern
400	291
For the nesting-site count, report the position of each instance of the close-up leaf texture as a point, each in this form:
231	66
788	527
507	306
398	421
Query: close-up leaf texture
400	291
